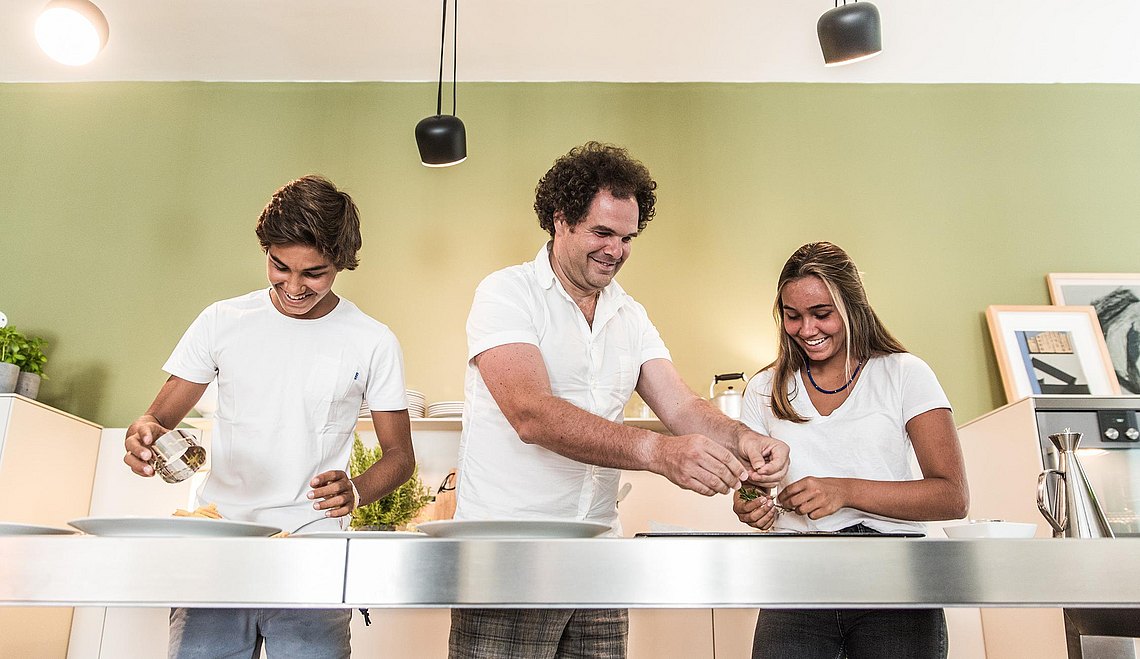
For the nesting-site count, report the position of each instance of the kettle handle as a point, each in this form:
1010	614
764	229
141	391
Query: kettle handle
1046	512
723	377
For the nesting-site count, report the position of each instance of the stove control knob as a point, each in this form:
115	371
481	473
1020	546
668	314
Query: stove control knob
1111	433
1132	434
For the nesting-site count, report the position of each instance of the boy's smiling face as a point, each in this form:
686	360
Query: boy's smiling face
302	280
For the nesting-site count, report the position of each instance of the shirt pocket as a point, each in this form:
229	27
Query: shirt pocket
334	390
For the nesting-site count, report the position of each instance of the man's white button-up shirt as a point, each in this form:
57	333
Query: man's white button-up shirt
595	368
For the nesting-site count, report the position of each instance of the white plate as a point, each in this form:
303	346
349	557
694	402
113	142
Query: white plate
358	535
171	527
12	528
523	528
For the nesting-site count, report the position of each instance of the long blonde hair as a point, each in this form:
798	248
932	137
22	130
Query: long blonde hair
864	332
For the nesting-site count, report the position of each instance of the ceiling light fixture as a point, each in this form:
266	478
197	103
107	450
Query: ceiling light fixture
72	32
850	33
442	139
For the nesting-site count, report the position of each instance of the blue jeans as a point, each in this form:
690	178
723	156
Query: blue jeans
852	633
240	633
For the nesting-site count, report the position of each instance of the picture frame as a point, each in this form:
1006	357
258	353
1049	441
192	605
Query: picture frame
1115	297
1050	350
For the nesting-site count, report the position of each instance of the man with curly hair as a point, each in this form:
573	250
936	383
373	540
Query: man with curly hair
556	349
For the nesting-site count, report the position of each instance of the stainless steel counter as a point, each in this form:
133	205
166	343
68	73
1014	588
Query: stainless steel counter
639	572
88	571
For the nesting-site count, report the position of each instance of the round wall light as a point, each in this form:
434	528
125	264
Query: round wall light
72	32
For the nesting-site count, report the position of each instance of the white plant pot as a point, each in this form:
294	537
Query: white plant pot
9	374
28	385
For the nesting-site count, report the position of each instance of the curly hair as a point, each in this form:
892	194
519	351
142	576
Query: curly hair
575	179
311	211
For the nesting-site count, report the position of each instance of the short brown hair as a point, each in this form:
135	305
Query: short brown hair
311	211
575	179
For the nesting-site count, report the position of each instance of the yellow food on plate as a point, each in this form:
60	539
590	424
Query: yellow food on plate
209	511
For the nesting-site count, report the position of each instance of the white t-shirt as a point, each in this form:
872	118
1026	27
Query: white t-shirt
500	476
289	394
864	438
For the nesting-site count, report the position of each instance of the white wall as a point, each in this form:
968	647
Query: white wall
1043	41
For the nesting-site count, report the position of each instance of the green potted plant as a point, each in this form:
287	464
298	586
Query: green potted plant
394	510
31	362
11	344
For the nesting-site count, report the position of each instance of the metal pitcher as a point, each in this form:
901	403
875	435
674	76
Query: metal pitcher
729	400
1074	513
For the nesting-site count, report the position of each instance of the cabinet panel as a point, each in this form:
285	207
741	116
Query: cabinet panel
47	456
40	449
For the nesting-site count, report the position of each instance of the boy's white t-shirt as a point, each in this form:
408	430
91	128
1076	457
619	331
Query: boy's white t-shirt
289	394
864	438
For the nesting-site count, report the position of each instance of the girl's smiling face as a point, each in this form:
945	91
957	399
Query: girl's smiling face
811	319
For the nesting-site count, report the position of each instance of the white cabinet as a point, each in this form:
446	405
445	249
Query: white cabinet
47	465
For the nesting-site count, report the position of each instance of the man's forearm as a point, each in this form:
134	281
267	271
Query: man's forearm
698	416
560	426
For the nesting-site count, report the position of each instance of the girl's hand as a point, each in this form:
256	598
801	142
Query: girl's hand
814	497
753	506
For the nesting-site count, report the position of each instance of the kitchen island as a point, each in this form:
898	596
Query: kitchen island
698	571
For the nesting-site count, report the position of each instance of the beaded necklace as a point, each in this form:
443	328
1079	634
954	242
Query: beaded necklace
807	363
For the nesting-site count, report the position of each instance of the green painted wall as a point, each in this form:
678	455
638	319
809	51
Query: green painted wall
125	208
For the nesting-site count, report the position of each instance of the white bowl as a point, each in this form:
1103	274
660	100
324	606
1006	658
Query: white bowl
990	529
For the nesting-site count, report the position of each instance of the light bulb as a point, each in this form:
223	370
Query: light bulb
71	32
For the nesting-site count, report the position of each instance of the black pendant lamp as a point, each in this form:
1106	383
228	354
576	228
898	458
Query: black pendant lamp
442	139
850	33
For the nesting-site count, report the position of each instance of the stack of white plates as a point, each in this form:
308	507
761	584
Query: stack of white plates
445	409
416	404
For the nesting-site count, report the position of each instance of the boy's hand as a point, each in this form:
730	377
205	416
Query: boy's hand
140	436
335	491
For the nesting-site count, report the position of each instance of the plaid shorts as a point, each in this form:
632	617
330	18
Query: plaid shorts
538	634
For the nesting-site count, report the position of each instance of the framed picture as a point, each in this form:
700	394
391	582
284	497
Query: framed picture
1116	300
1050	350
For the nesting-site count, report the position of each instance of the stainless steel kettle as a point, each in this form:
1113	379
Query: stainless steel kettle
1074	511
729	400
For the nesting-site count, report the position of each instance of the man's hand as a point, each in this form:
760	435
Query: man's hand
697	463
140	437
814	497
767	458
334	489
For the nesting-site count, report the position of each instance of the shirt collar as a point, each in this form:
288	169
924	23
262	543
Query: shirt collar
612	294
542	269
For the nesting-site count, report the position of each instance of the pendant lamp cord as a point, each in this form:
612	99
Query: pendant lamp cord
442	41
454	56
454	51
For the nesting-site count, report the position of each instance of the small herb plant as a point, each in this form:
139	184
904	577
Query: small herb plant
32	357
12	344
395	509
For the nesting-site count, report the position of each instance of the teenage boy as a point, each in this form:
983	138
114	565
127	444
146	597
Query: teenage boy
293	363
